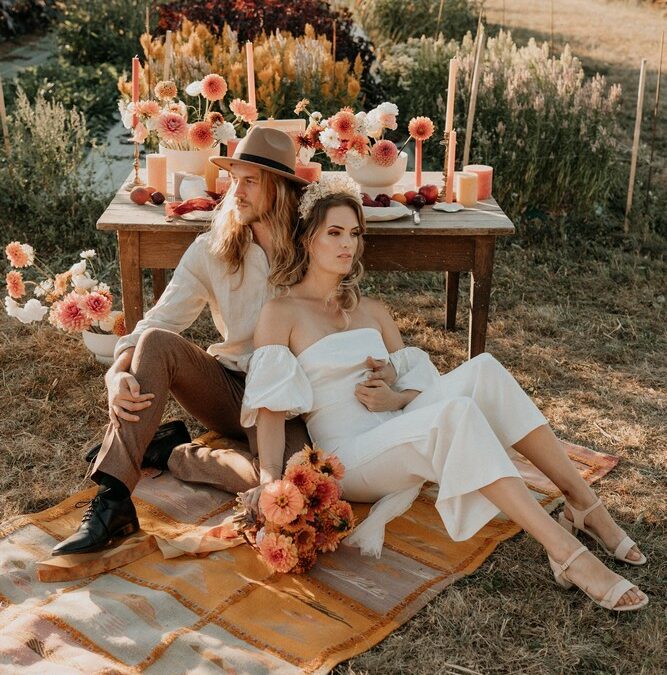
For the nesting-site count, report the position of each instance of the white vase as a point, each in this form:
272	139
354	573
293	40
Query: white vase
374	179
101	345
191	161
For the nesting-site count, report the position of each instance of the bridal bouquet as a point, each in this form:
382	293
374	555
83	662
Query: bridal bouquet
74	300
300	515
179	126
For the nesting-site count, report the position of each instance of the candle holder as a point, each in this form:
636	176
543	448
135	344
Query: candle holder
445	142
136	181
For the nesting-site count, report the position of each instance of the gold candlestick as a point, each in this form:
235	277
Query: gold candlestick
136	180
445	142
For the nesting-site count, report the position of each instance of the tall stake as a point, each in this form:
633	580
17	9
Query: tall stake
333	54
167	55
654	121
476	74
551	41
148	18
635	145
3	120
437	26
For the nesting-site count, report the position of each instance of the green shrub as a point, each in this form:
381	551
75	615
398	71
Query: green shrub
550	134
397	20
90	89
48	196
25	16
101	31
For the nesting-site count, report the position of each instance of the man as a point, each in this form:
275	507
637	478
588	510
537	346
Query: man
230	269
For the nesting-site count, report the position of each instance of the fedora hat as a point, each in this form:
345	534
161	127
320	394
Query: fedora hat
266	148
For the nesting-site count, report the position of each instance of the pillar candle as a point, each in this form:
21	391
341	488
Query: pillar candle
222	184
418	164
465	185
451	164
484	179
231	146
250	64
311	171
451	94
211	173
135	89
156	172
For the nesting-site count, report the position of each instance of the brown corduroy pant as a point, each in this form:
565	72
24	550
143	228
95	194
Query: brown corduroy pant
165	362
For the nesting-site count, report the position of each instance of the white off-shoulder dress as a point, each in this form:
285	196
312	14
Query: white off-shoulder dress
455	433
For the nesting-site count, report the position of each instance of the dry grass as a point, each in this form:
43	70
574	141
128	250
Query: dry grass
585	337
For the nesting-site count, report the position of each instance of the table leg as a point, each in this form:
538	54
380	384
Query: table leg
159	283
480	293
451	299
130	278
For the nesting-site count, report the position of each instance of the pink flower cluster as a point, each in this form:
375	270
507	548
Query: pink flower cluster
302	514
76	312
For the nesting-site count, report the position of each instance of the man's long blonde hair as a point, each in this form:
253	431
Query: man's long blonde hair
293	268
231	237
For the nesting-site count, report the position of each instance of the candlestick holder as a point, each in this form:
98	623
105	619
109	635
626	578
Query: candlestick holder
131	184
445	142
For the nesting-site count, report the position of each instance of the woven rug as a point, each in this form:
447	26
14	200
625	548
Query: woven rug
224	612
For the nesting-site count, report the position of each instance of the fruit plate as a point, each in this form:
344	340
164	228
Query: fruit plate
379	213
198	215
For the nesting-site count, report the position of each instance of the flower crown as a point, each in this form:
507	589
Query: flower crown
329	185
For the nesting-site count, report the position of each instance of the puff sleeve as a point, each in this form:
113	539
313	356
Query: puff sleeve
414	369
275	381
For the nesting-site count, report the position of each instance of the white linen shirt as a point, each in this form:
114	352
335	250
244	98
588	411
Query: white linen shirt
235	301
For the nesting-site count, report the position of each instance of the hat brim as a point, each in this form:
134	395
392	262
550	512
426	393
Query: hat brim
228	162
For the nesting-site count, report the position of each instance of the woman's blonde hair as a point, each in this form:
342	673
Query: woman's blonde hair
278	208
347	294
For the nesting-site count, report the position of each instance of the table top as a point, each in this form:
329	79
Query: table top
487	218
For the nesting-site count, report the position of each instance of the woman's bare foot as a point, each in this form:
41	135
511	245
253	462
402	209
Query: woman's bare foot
600	522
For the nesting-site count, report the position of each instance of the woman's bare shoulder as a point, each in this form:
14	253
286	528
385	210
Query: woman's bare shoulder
276	320
373	306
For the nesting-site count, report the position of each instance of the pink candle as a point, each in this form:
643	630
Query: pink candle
135	89
311	171
250	63
231	146
451	164
451	94
156	172
418	164
484	179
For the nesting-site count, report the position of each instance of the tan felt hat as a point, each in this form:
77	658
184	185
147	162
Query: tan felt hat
266	148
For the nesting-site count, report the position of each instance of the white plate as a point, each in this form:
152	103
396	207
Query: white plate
197	215
379	213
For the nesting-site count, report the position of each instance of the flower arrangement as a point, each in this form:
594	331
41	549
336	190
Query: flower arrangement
74	300
349	138
302	514
167	117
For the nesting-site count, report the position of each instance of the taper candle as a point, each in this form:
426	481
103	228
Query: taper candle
484	179
250	64
451	94
156	172
451	163
418	164
135	90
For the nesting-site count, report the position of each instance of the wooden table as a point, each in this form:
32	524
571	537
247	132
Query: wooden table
443	242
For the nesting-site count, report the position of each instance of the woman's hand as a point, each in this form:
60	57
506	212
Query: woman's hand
250	499
125	397
377	396
381	370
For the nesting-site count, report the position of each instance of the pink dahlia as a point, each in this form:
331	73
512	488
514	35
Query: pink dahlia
214	118
332	466
246	111
165	90
343	123
360	143
172	127
201	136
149	108
97	306
20	255
279	552
70	314
213	87
281	502
421	128
384	153
304	477
15	285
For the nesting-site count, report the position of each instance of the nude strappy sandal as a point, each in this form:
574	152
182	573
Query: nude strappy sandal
622	549
611	597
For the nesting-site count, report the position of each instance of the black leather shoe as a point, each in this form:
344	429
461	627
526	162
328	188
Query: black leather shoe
104	522
167	437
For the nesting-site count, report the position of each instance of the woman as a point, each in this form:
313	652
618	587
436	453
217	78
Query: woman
313	346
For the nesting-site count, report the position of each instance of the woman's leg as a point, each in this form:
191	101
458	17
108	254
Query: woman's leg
547	453
512	497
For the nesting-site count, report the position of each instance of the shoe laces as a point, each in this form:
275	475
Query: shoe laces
92	503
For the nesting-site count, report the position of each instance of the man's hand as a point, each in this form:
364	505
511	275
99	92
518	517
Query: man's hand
250	499
125	397
377	396
381	370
